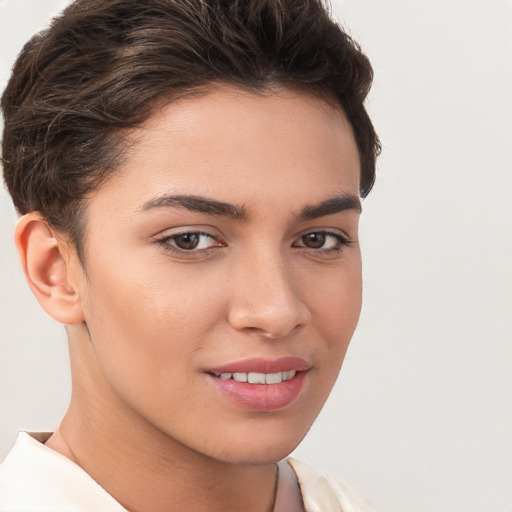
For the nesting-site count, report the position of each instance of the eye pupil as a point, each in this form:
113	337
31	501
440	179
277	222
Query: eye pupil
314	240
187	241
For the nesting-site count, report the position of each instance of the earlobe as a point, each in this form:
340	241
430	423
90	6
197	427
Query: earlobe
47	264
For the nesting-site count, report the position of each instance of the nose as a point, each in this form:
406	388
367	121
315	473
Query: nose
264	299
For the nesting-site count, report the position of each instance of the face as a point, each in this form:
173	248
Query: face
223	271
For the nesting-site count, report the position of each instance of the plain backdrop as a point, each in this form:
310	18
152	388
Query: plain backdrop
421	417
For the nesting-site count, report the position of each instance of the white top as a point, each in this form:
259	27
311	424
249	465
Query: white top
34	478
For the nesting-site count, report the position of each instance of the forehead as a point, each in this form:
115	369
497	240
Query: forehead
230	142
235	114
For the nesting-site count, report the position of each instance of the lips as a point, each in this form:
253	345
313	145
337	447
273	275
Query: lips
261	385
262	365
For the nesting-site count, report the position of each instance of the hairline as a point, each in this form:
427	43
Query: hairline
122	138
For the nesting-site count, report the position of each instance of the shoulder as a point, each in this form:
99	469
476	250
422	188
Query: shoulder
35	478
322	492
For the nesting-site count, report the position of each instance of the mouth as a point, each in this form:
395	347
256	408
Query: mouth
261	385
259	378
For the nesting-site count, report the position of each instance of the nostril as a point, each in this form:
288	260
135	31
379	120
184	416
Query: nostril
272	334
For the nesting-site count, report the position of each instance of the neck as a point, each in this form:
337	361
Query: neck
146	470
145	473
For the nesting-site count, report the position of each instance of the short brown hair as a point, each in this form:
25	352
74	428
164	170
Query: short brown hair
102	66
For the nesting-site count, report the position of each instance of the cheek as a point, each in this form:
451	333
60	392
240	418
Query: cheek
146	332
344	306
335	305
152	318
335	302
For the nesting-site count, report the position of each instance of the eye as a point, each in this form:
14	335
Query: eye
323	241
189	241
192	241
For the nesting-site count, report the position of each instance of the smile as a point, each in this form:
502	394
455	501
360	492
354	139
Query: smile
261	384
259	378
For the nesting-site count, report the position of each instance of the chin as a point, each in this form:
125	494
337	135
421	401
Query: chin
263	446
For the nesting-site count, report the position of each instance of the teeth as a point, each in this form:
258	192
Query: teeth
274	378
256	378
289	374
259	378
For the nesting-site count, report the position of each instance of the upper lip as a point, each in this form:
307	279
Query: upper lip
262	365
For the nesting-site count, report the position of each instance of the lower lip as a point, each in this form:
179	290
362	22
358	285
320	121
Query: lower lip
261	397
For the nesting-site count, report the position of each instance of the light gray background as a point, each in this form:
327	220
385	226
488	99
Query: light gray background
421	418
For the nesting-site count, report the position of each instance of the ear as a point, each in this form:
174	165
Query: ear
51	268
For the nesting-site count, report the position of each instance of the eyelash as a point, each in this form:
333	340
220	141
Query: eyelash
342	242
166	241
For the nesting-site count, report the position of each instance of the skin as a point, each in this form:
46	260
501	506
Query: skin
146	320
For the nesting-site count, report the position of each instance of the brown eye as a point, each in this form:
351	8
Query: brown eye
323	241
187	241
314	240
190	242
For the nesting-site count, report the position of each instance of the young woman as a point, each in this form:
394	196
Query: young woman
188	176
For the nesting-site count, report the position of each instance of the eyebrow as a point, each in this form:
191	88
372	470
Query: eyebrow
197	204
200	204
330	207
